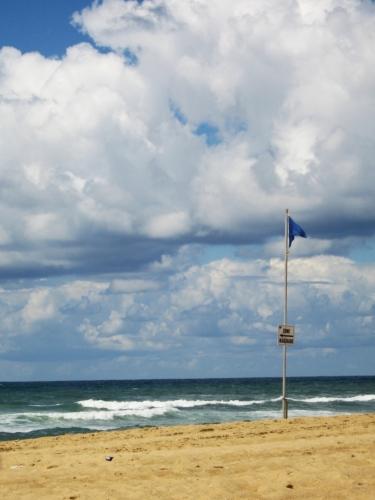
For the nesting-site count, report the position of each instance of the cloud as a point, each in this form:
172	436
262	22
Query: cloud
93	149
38	307
239	302
205	315
182	127
133	285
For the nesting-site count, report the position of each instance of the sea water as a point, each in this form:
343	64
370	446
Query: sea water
33	409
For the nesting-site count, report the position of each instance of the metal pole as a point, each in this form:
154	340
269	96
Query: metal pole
284	399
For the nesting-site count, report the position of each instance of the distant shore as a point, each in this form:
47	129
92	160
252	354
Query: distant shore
313	457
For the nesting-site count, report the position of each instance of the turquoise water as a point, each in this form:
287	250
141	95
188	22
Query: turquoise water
50	408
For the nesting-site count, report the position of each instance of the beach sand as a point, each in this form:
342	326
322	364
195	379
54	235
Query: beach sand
324	457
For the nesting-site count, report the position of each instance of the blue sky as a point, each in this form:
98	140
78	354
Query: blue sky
40	25
149	150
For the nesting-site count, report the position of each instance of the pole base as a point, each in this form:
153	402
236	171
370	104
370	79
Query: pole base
285	407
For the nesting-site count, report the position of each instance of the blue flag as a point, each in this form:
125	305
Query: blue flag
295	230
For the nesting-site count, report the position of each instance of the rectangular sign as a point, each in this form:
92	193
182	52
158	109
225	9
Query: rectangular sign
286	334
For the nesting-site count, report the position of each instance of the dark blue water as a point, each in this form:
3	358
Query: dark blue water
49	408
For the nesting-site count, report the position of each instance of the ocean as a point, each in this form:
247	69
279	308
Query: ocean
33	409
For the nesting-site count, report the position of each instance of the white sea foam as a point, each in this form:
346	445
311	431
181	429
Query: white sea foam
309	413
30	421
112	419
361	398
168	405
100	414
276	414
97	415
46	406
101	420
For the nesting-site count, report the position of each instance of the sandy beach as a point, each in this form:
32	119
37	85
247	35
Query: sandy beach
324	457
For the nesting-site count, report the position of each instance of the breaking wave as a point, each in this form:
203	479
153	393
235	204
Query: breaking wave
97	414
27	422
361	398
43	409
175	404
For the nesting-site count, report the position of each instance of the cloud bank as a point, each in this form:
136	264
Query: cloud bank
189	318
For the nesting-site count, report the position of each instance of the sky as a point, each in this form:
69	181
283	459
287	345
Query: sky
148	153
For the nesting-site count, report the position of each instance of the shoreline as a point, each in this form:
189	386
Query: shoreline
311	457
167	425
177	425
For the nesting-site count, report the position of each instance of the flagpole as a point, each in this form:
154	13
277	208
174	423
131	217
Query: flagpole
284	399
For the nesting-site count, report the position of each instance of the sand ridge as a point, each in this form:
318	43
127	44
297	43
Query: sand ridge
310	458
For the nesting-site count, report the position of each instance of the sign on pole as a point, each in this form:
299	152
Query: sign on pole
286	334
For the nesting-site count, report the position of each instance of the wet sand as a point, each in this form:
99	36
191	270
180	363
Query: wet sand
310	458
